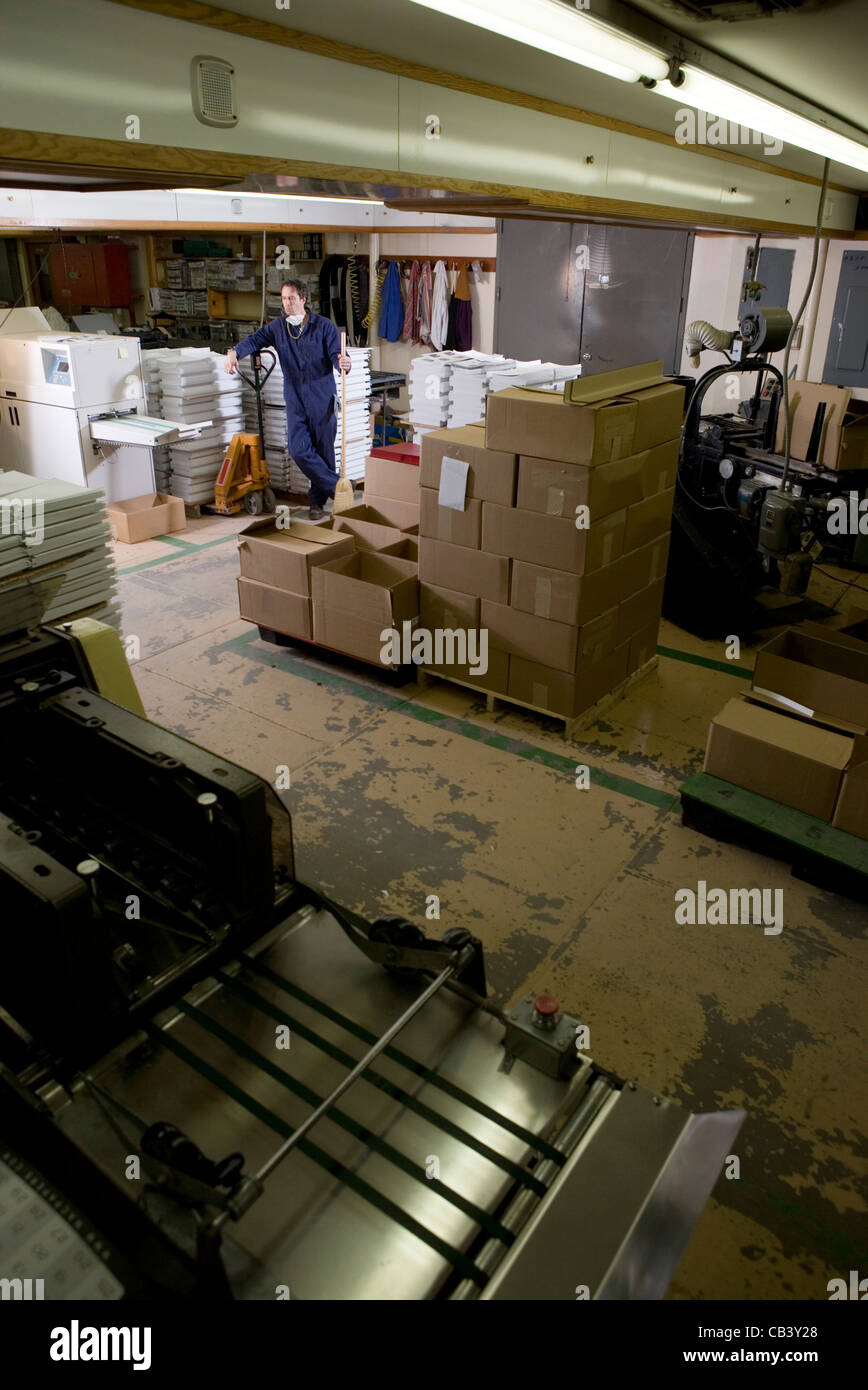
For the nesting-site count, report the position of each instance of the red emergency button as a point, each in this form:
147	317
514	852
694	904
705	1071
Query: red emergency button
546	1004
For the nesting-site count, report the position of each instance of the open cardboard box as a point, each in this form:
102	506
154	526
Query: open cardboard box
142	518
813	671
356	598
284	556
827	424
851	811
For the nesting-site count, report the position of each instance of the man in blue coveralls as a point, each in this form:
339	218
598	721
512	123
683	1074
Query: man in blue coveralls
309	349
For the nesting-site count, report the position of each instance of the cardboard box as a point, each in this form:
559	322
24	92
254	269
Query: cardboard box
643	646
567	695
823	677
596	420
496	679
467	571
368	535
788	760
554	541
573	598
389	511
558	489
142	518
851	811
649	519
558	645
639	611
447	524
406	549
389	477
491	472
371	587
284	557
444	608
856	624
344	632
828	416
277	609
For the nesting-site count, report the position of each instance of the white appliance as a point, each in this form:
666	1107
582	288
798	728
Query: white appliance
72	406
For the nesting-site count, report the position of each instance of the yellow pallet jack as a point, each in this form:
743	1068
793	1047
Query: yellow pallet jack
244	481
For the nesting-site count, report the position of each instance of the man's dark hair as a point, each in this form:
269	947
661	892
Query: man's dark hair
297	285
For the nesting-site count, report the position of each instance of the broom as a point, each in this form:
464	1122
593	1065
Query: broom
344	494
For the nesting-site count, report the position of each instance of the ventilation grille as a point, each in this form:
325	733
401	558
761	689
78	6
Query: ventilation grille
734	10
214	91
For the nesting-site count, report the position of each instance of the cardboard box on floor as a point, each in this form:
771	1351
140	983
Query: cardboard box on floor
447	523
829	419
406	549
466	571
276	609
596	420
142	518
770	753
392	479
490	474
558	489
821	675
575	598
556	692
496	678
359	596
285	557
556	542
851	811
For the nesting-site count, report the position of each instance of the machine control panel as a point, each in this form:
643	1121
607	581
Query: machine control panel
56	366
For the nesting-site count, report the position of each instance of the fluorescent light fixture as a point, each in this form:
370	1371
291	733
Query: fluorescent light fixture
555	29
718	98
284	197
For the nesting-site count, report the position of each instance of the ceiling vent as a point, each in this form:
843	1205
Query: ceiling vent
734	10
213	89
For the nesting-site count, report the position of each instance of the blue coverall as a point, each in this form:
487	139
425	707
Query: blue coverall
308	364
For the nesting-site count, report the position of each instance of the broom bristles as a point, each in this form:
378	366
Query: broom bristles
344	495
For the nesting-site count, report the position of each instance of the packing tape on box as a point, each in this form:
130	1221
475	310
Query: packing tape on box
542	598
539	694
555	501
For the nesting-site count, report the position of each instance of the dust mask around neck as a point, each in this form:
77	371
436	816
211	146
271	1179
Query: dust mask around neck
295	319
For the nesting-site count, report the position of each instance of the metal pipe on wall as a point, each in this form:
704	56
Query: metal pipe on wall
807	345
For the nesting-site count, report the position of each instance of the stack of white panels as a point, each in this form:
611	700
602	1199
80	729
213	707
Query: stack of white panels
358	413
54	547
470	383
533	374
430	375
194	388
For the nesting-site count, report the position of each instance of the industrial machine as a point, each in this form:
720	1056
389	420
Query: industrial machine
244	480
745	517
214	1082
72	407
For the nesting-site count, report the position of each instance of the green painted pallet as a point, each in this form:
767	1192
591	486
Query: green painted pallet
816	851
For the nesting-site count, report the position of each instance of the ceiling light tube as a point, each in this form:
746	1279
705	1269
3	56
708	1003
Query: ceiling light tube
565	33
289	196
718	98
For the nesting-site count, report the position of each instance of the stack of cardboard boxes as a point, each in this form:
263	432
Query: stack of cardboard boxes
800	736
339	584
549	527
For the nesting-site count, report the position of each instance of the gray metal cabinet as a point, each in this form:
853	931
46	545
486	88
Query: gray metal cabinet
847	353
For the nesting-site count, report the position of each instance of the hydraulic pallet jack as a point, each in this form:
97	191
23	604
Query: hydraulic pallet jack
244	481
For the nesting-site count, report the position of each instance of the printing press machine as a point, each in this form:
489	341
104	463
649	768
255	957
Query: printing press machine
215	1082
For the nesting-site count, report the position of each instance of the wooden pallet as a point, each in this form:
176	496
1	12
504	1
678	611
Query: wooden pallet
574	724
815	850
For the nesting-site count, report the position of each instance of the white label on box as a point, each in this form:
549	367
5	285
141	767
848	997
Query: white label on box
453	483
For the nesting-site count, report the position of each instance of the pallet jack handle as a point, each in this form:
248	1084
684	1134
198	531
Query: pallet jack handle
258	382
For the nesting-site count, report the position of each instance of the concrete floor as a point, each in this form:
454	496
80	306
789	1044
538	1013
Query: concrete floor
401	793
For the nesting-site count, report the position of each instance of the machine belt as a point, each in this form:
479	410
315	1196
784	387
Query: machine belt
331	1165
359	1131
375	1078
418	1069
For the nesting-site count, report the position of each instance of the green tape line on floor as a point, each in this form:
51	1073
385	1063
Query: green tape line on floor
465	728
189	547
729	668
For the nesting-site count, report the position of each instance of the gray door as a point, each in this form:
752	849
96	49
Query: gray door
775	274
847	353
635	296
537	310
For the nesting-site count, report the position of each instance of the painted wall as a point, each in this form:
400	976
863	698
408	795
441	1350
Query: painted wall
59	76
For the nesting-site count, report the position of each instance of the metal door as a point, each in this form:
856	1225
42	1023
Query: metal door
774	272
635	293
847	353
537	312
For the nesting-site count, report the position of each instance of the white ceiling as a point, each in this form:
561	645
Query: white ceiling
820	56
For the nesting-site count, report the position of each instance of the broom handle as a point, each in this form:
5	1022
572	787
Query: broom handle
343	410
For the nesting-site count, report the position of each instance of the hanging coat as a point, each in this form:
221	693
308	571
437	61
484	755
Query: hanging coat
463	313
426	291
391	315
439	307
411	312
